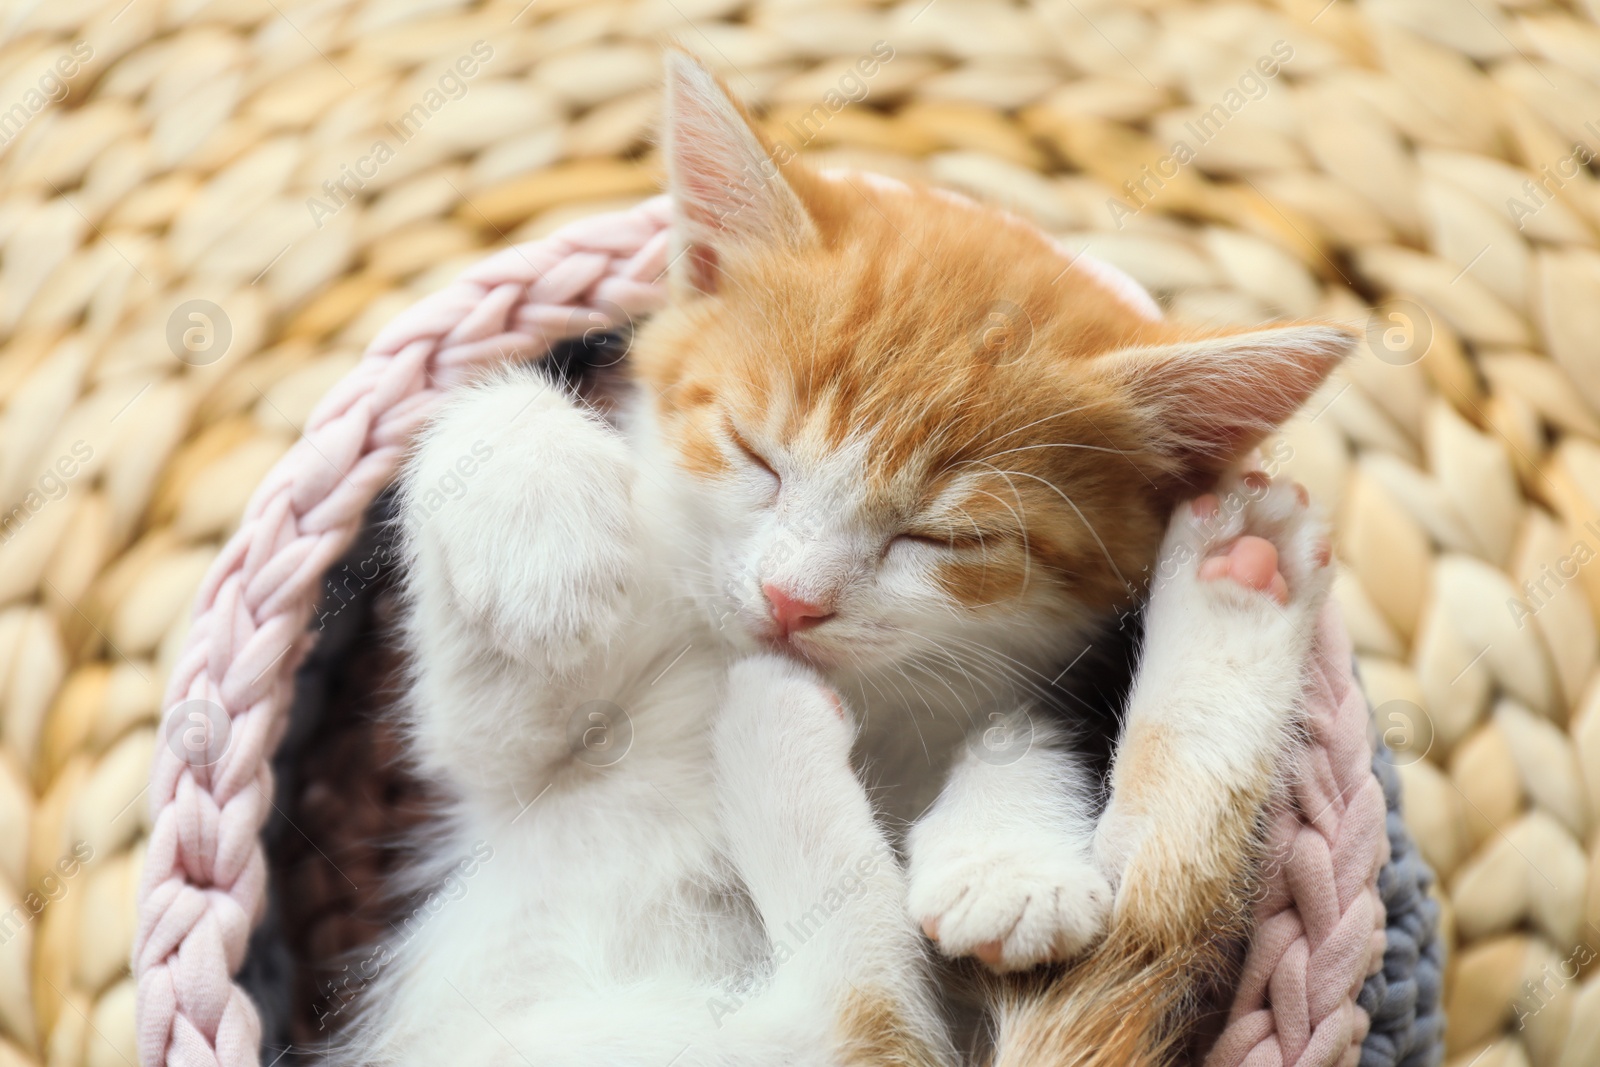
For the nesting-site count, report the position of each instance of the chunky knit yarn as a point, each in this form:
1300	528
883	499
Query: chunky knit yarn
1404	999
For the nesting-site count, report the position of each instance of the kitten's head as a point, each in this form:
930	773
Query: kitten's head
910	424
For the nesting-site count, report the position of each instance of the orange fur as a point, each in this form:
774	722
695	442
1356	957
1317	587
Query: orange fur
873	1032
864	333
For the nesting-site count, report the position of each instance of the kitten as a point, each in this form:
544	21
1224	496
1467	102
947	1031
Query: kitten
667	856
837	489
937	524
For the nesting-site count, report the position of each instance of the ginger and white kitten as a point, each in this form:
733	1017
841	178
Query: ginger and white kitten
675	862
831	485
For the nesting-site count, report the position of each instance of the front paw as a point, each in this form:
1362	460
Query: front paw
793	811
1252	544
780	718
1014	902
533	551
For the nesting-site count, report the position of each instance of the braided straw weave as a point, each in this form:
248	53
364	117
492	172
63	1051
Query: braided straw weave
1387	161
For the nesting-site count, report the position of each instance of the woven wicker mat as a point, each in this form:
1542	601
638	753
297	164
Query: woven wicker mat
199	232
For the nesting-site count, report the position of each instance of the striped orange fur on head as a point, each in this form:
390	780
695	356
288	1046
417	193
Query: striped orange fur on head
940	414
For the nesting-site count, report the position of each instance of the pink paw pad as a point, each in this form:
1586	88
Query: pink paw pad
1252	562
989	952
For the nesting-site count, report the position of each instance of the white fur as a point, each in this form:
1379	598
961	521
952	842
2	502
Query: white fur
1221	672
712	897
1004	854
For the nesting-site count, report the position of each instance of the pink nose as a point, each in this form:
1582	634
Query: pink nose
793	614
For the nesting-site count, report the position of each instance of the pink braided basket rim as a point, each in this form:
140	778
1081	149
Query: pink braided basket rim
204	881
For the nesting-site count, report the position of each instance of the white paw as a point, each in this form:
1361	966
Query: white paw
1013	903
794	815
1254	546
534	547
779	717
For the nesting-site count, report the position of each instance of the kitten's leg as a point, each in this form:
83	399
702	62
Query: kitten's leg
1001	865
1211	714
822	874
1209	730
519	529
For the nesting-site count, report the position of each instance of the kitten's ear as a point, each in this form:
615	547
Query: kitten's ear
1209	401
727	191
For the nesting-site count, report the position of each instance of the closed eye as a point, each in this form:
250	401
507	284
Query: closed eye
751	454
949	542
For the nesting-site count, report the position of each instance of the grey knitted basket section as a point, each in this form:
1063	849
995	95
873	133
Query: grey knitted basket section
1403	999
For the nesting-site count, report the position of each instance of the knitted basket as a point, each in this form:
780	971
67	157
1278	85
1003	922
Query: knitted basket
1424	159
1320	919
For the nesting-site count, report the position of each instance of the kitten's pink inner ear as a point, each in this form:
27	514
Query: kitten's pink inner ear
1212	400
728	194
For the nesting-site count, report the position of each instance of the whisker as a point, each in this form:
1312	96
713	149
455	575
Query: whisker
1060	444
1081	518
